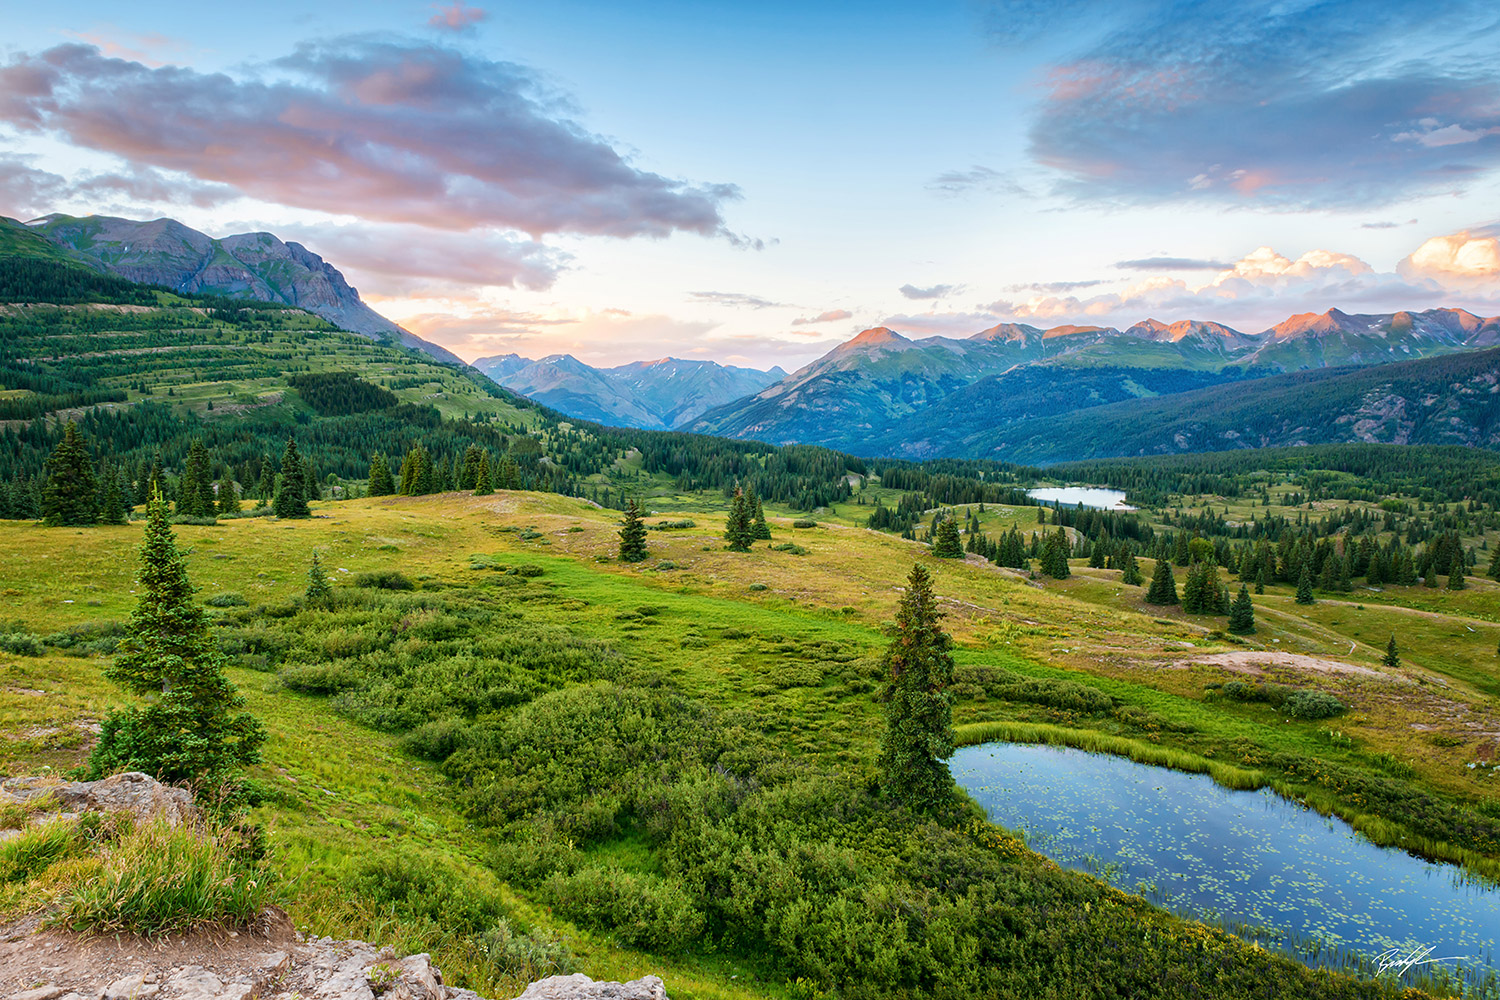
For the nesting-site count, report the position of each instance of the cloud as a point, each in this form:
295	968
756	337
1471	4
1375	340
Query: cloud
457	16
1171	264
608	336
932	292
388	130
1387	225
1056	286
27	191
940	324
150	49
403	260
1289	105
1462	260
831	316
976	178
737	300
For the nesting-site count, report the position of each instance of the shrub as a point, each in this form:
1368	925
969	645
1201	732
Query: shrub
526	955
436	740
529	570
159	879
792	547
321	678
226	600
672	525
643	911
384	579
758	587
804	522
99	634
1312	705
35	849
20	644
417	887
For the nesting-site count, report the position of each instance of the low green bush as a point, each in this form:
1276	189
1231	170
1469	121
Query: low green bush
384	579
1312	705
20	644
227	600
804	522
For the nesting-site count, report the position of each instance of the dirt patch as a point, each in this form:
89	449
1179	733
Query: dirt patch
1255	662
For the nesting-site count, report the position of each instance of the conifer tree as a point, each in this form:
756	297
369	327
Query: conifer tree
946	543
633	535
195	491
229	500
265	488
1456	575
291	498
1055	550
738	531
468	473
1242	613
1304	584
1494	570
484	483
1163	588
758	526
1181	553
191	728
1392	657
381	484
319	590
919	713
71	495
1131	576
112	493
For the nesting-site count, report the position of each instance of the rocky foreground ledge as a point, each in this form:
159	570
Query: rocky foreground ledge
269	962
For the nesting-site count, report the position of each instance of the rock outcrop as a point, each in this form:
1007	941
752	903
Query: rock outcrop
140	795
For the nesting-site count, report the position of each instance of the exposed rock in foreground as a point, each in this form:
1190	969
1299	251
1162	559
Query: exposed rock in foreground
140	795
268	962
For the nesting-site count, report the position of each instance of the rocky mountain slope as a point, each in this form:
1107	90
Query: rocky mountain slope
248	265
883	393
655	395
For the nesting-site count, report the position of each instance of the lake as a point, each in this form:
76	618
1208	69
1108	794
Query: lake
1089	496
1253	862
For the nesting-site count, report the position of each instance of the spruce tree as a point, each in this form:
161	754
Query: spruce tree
1494	570
71	495
291	497
319	590
1242	613
112	494
229	500
919	713
1163	588
633	535
381	484
1392	657
191	728
1131	576
946	543
1456	575
484	483
738	531
195	491
265	487
758	526
468	473
1304	584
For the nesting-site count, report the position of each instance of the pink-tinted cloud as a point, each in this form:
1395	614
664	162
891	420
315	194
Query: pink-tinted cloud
830	316
457	16
151	49
27	192
1462	260
403	260
610	336
390	131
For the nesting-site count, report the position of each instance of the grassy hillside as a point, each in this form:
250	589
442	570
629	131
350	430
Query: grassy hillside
670	764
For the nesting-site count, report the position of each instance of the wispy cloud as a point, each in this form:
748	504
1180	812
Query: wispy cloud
975	179
831	316
930	292
1054	287
1171	264
388	130
457	16
1387	224
737	300
28	191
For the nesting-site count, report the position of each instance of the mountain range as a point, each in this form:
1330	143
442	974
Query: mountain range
246	266
655	395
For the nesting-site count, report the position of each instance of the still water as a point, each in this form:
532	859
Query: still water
1089	496
1252	861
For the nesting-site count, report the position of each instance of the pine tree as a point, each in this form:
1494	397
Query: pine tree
71	494
1494	570
381	484
291	498
1456	575
112	493
484	484
319	590
1392	657
195	491
1304	584
738	531
758	526
1131	576
190	729
468	473
946	543
1055	555
633	535
265	487
1242	613
229	500
919	714
1163	585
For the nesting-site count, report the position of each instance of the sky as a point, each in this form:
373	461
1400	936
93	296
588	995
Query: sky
755	183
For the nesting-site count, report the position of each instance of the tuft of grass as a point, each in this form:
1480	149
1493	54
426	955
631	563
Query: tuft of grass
159	879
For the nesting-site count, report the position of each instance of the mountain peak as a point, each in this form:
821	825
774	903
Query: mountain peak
877	335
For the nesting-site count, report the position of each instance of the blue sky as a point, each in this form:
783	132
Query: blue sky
755	182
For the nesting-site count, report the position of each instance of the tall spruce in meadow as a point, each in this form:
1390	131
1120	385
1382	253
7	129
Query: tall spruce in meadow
758	526
112	493
265	487
1055	551
409	466
484	483
319	590
633	535
310	487
1304	584
1131	575
195	491
1182	553
424	481
1163	588
468	473
1494	570
738	530
946	543
1242	613
1392	657
291	498
71	496
381	484
191	728
919	713
229	500
1456	574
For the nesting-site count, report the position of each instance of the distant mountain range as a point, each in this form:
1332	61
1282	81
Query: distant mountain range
884	394
247	266
656	395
